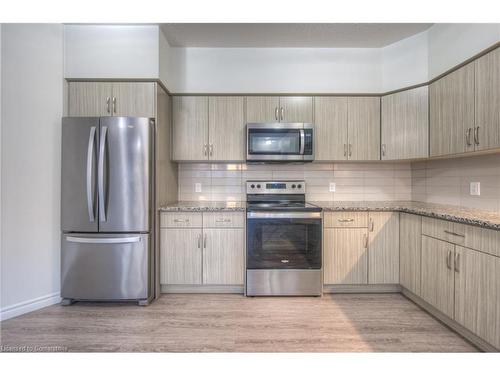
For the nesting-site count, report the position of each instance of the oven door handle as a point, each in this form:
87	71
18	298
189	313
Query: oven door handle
302	141
283	215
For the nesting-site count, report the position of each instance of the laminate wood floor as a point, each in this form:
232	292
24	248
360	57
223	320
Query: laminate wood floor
234	323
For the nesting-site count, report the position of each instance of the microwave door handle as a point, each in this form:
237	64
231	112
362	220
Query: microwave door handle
302	141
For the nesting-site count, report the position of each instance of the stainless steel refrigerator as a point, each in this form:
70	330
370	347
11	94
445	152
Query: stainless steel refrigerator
107	209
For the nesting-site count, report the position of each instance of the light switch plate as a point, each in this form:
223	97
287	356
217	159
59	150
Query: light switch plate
332	187
475	188
197	187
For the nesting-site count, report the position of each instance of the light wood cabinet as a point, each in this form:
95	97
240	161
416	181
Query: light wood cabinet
405	125
487	101
451	109
226	128
343	219
180	256
345	256
223	256
330	128
263	109
363	128
383	248
477	293
135	99
437	283
410	251
190	128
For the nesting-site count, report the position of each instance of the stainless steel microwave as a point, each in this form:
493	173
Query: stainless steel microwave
276	142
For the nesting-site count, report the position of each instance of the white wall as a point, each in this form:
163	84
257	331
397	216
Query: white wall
32	102
111	51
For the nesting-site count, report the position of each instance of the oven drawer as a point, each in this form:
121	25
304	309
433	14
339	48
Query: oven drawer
180	220
223	220
346	219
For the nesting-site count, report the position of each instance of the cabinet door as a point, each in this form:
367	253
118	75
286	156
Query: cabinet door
383	248
330	128
262	109
405	125
437	284
477	293
410	251
345	258
190	128
226	129
223	256
451	108
487	96
296	109
89	99
363	130
180	256
134	99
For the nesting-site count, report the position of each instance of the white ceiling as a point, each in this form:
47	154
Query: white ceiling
305	35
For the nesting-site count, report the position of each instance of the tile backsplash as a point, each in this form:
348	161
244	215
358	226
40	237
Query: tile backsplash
354	181
448	181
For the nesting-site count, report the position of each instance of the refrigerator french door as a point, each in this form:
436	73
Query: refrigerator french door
107	209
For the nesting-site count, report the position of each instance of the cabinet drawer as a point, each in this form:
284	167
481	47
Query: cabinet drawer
180	220
482	239
444	230
223	220
346	219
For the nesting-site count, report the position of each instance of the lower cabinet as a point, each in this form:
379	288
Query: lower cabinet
383	248
202	249
410	251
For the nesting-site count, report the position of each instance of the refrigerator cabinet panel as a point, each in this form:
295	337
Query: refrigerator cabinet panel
105	267
125	174
80	137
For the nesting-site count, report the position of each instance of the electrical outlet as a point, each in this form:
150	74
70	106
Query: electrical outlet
475	188
332	187
197	187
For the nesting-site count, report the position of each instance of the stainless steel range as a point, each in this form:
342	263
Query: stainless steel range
284	236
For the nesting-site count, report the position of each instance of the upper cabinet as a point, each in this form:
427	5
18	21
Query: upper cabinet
279	109
363	128
405	125
208	128
452	112
330	128
136	99
487	101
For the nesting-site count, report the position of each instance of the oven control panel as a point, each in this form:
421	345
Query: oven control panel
276	187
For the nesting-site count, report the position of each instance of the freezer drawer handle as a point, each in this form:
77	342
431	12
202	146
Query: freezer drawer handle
100	171
103	240
90	190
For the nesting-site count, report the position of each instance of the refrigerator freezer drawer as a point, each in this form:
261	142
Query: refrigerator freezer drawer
105	266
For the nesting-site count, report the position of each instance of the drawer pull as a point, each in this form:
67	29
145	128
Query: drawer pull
454	234
223	220
345	220
181	220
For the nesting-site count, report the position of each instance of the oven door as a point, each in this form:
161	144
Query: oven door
275	142
283	240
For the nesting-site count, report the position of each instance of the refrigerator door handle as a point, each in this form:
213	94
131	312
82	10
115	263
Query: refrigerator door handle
90	190
103	240
100	171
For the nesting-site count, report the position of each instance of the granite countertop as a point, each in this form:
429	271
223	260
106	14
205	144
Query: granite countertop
204	206
471	216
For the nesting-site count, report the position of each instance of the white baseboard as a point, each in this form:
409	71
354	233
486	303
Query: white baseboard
29	306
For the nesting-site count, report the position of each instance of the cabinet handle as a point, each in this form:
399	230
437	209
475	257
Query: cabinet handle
205	241
383	149
181	220
350	150
205	149
223	220
345	149
211	149
276	113
114	104
372	225
454	234
476	135
448	260
457	263
282	113
199	241
467	136
107	104
365	238
345	220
